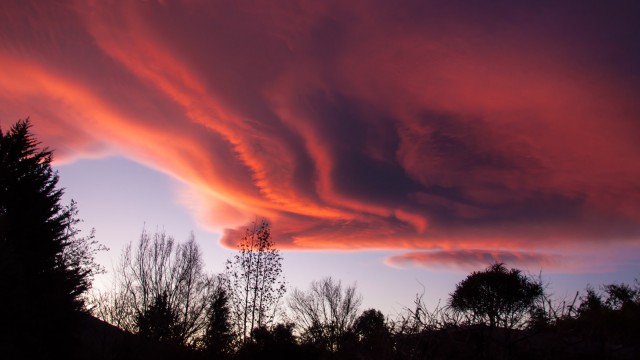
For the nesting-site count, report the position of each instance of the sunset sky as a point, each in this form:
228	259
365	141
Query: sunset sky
399	144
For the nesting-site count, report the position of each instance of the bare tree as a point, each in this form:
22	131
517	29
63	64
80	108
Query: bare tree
256	284
159	272
325	312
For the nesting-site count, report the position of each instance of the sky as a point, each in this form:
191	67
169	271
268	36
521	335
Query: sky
397	144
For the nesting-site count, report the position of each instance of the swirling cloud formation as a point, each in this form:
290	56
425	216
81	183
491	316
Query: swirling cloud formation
497	125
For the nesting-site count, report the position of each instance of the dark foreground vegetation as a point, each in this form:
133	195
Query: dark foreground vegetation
164	306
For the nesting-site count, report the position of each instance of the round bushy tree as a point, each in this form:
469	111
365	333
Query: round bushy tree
373	334
496	296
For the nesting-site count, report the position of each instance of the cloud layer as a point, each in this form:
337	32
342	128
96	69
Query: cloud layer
465	260
352	125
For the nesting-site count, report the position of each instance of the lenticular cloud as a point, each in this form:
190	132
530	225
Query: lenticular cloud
351	125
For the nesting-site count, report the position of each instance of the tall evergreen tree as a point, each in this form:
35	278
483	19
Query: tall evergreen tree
218	338
45	267
159	323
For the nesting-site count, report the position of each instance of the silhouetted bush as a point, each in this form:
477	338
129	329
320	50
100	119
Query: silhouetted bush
277	342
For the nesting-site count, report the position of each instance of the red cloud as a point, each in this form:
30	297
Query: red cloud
465	260
350	126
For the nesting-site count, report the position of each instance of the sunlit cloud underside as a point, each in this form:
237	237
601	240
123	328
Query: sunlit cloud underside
502	132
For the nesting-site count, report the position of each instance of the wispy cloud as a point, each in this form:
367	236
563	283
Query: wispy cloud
465	260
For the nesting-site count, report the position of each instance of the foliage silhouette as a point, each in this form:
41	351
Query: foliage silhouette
45	265
496	296
373	335
159	323
276	342
218	338
610	316
621	296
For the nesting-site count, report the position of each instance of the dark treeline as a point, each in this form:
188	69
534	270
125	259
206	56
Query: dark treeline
163	304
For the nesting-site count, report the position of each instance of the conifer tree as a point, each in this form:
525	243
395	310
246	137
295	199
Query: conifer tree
218	338
44	264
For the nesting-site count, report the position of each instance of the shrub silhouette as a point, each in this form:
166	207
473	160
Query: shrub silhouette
276	342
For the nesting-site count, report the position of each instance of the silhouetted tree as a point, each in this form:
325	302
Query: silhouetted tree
256	284
325	313
622	296
612	298
159	323
45	265
219	336
373	335
496	296
160	276
592	303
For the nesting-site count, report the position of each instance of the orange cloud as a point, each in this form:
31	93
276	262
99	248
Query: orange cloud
353	125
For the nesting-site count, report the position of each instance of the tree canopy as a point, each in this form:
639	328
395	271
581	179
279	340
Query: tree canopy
497	296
